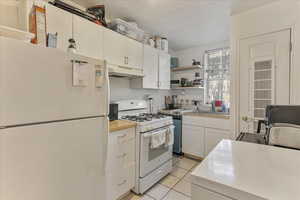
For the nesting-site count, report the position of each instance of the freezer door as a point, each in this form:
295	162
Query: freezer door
36	85
58	161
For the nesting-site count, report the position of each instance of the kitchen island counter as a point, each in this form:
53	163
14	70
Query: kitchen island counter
239	170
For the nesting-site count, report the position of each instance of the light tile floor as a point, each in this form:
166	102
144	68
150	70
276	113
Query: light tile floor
176	186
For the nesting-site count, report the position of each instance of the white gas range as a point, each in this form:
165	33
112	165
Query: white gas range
152	163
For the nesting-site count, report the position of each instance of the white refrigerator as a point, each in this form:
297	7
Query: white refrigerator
53	124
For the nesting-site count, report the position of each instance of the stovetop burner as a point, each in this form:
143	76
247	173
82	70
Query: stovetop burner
144	117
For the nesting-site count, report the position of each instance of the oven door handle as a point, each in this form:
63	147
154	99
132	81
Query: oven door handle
147	135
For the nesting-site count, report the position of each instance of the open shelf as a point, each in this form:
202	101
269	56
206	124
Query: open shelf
186	68
182	88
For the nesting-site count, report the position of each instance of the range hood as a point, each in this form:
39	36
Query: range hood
124	71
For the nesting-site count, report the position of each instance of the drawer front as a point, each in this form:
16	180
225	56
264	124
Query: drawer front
120	182
203	194
124	135
207	122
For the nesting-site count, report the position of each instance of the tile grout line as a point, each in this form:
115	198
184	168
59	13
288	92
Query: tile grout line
180	179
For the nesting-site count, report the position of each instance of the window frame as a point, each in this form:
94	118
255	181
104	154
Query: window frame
223	51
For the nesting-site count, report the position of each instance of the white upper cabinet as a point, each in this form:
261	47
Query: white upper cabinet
60	22
156	67
88	37
134	53
122	51
150	68
114	48
164	70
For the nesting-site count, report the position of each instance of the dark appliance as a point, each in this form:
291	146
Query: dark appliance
177	122
113	112
177	147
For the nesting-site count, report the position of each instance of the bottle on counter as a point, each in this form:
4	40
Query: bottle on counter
158	42
164	44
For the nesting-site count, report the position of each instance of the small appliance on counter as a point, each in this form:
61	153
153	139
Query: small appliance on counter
113	112
175	83
195	62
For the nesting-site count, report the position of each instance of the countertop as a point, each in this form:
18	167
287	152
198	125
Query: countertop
118	125
250	171
210	115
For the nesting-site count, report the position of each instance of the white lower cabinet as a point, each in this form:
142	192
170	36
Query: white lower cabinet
213	137
120	163
199	193
193	140
200	135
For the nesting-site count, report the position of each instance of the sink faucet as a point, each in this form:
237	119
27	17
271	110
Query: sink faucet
196	103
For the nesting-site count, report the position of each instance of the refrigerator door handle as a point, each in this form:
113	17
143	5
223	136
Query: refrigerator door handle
106	119
107	85
105	144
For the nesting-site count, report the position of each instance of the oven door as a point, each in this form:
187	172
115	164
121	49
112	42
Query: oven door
151	159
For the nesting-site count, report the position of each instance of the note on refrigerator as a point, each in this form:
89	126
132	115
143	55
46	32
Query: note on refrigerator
80	74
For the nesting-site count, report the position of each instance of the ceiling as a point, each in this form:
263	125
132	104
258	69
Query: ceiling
186	23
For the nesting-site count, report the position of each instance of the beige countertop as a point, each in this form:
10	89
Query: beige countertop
118	125
210	115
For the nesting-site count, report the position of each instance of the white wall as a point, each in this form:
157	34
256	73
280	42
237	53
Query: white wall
269	18
120	90
187	55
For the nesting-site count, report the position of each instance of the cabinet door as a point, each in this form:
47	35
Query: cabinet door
150	67
164	71
60	22
213	137
114	48
134	53
203	194
121	163
89	37
193	140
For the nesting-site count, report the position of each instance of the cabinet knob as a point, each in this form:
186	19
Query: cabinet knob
123	155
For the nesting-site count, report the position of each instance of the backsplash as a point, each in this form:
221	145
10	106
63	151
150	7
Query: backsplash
188	96
120	90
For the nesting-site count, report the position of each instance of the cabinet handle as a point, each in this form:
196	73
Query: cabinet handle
125	60
122	183
122	136
123	155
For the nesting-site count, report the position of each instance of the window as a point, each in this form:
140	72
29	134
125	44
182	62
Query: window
217	76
